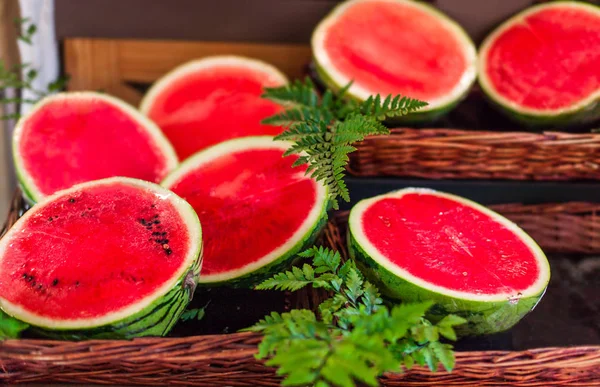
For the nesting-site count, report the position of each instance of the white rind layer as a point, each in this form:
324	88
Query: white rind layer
356	226
32	191
210	62
250	144
195	235
323	59
491	90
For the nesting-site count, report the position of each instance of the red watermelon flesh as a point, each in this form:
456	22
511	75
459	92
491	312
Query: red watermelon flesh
94	250
250	201
77	137
213	100
549	59
449	244
395	47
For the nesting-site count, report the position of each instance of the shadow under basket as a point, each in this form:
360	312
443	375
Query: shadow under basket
465	154
228	359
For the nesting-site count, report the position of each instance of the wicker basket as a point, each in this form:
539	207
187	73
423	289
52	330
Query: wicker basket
462	154
228	360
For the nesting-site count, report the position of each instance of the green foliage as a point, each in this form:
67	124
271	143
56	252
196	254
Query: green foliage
322	129
12	78
355	338
10	328
194	314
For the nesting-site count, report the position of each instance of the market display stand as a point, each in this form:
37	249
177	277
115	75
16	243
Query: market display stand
121	46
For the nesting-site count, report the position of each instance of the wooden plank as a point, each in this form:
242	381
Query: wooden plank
108	64
94	64
145	61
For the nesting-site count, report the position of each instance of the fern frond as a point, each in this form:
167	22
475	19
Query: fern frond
297	93
390	107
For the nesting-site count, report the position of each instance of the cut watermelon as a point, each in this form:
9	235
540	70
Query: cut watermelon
211	100
113	258
257	211
396	47
542	67
417	244
71	138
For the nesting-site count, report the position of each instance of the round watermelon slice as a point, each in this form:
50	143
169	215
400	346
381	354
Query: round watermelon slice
211	100
541	67
418	244
71	138
257	211
396	47
113	258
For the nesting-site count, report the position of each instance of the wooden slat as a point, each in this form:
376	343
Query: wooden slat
145	61
94	64
107	64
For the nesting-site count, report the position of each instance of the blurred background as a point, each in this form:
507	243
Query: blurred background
83	36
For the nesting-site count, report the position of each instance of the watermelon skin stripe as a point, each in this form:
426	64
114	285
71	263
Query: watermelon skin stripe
484	317
420	116
250	280
147	322
582	115
429	113
585	111
158	317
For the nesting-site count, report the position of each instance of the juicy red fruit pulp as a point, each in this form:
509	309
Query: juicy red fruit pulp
93	252
249	203
450	244
215	104
396	48
548	60
74	140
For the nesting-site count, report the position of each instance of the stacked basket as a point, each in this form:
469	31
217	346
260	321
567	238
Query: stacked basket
442	152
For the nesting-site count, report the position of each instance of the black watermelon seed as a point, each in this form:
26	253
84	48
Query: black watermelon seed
55	282
50	219
157	222
142	221
71	200
39	287
157	233
169	251
155	216
76	283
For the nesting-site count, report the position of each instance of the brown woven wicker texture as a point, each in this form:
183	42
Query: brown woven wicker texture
227	360
461	154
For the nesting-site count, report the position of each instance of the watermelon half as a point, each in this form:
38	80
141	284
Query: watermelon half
71	138
210	100
396	47
542	66
418	244
113	258
257	211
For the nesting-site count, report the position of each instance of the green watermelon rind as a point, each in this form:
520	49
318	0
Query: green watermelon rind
163	308
194	66
248	277
285	261
483	316
585	111
26	182
427	114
